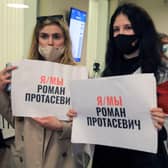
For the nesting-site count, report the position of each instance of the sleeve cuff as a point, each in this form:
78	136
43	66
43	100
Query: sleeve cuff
66	130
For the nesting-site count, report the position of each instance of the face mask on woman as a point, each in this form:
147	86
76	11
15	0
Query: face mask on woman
165	50
126	44
51	53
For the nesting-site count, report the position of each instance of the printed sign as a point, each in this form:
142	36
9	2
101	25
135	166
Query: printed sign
41	88
115	112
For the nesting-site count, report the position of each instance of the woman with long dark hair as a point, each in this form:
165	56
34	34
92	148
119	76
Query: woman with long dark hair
133	47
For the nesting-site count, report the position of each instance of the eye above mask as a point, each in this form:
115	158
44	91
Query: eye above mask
165	50
165	47
51	53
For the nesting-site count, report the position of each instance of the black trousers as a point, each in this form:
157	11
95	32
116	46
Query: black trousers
111	157
6	158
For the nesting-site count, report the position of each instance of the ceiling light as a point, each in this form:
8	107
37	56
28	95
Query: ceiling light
15	5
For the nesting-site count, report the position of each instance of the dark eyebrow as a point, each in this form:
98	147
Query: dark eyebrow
43	33
58	34
53	34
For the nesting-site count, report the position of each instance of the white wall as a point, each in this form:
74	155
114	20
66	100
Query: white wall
15	30
97	33
30	15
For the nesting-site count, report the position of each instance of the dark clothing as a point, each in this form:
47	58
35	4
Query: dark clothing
5	151
126	66
111	157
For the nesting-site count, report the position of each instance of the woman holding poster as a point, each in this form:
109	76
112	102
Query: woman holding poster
42	142
133	47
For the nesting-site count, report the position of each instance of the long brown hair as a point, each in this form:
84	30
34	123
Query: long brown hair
34	53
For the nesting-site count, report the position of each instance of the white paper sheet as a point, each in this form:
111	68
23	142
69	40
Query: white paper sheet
115	111
41	88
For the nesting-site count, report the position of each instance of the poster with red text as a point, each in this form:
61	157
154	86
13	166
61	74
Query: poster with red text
41	88
115	111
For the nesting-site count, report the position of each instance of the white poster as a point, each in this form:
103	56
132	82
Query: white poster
115	111
41	88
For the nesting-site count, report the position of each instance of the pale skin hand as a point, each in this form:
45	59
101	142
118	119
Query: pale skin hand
158	117
49	122
5	76
71	113
157	113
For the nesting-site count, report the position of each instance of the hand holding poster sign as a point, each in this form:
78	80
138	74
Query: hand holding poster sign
115	112
41	88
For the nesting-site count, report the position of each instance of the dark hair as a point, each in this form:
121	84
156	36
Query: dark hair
41	19
149	45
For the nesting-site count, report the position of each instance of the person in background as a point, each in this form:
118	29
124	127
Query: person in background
42	142
163	71
164	38
164	48
133	47
162	88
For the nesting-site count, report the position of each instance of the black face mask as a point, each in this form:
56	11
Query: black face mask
124	43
